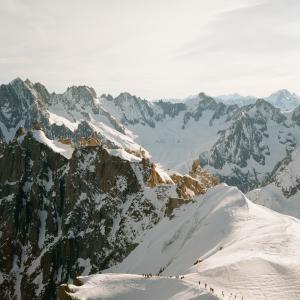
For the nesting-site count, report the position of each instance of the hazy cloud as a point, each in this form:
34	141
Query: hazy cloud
166	48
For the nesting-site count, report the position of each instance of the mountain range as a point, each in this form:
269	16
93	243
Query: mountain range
282	99
126	186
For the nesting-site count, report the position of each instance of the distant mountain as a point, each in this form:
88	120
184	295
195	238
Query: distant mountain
236	99
174	133
241	145
245	153
284	100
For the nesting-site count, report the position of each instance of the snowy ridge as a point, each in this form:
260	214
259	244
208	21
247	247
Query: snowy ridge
136	287
64	150
231	259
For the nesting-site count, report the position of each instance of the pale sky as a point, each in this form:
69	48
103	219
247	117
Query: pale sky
153	48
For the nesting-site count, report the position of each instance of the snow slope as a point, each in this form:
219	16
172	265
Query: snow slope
64	150
136	287
222	239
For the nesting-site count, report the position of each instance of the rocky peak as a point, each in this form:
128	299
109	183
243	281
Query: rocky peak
199	106
269	111
197	182
282	94
108	97
134	110
264	105
42	91
20	104
170	109
207	101
81	94
284	100
260	112
23	90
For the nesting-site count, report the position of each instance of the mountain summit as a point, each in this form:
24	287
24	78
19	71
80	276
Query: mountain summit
284	100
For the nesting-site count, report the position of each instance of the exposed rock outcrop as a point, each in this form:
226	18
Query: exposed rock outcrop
196	183
61	218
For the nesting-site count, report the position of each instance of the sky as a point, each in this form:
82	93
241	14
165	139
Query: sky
154	49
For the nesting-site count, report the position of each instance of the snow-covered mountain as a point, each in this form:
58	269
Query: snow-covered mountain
240	250
236	99
69	209
73	114
284	100
240	145
174	133
246	152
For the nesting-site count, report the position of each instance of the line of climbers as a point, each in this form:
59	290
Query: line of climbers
149	275
223	294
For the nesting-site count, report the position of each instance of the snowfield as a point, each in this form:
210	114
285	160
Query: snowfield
135	287
238	248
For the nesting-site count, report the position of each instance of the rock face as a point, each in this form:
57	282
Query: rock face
247	151
62	217
196	183
282	190
131	110
73	114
